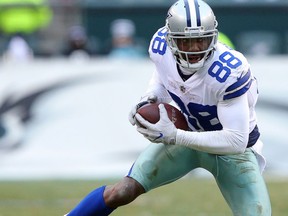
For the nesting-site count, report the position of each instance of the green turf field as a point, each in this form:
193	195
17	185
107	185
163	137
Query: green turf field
190	196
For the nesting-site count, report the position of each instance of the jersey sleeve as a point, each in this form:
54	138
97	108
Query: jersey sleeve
156	88
232	71
158	45
158	49
239	87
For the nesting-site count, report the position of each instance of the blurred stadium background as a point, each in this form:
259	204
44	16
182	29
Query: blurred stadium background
66	118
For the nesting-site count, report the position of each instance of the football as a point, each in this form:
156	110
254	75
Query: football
150	112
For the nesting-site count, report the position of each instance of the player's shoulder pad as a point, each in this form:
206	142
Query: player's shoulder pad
241	77
240	86
235	72
158	46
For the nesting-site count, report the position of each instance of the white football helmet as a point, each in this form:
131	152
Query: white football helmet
192	33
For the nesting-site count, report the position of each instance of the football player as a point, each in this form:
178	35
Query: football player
217	92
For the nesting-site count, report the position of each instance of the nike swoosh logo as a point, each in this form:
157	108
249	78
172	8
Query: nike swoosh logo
160	136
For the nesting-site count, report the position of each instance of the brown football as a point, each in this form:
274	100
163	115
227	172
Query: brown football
150	112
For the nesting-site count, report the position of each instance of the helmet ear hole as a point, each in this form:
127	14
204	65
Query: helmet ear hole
216	23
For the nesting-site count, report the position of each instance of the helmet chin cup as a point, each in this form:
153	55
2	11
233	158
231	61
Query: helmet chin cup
190	68
174	50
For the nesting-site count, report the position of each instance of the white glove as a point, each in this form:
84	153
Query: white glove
164	131
133	111
132	114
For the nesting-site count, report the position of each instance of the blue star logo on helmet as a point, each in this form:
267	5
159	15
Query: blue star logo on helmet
169	15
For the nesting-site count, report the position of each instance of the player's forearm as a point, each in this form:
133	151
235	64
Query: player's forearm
214	142
159	92
156	88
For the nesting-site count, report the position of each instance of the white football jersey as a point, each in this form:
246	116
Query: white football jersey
226	75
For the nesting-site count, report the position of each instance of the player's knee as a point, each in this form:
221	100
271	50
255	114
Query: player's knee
255	208
150	169
122	193
260	209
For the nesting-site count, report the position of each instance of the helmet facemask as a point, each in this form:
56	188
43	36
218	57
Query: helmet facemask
191	33
192	47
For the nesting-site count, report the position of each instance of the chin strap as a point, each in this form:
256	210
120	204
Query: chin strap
183	76
187	71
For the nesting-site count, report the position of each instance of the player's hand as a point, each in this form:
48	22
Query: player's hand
133	111
164	131
131	115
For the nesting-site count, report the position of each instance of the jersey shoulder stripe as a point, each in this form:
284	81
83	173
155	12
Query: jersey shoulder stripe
240	81
239	87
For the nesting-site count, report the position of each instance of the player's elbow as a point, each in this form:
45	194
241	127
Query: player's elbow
238	150
239	142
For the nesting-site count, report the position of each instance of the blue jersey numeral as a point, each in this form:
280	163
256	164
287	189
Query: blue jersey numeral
221	69
204	117
159	44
